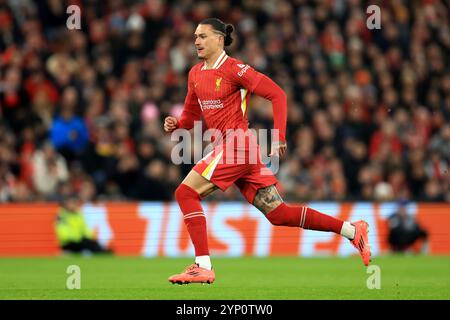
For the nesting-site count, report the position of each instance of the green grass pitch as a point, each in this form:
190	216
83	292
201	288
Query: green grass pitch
285	278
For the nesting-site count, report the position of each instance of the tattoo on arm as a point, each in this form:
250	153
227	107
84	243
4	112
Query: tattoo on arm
267	199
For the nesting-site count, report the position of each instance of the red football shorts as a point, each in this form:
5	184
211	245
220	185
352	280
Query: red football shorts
238	163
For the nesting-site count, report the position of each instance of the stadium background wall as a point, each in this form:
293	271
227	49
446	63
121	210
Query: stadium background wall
235	229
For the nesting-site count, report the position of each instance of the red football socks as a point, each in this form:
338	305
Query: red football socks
283	215
304	217
194	218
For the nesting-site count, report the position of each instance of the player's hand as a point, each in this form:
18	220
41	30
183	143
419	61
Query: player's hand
170	124
278	149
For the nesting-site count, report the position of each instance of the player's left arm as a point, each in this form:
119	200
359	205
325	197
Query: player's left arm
263	86
269	90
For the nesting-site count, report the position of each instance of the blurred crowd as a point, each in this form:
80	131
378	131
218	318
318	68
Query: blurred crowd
82	110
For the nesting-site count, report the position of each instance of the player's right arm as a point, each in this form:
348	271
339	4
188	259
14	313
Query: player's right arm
191	111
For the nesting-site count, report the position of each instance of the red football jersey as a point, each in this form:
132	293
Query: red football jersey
221	94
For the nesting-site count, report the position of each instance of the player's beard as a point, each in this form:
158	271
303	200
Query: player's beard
202	57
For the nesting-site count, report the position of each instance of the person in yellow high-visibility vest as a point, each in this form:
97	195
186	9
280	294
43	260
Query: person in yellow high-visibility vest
74	235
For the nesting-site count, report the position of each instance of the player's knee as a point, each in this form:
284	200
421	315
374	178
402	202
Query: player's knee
184	192
180	193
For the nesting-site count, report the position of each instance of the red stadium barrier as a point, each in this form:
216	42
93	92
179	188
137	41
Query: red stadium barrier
235	229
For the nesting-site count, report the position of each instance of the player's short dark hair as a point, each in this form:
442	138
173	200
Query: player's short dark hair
221	27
